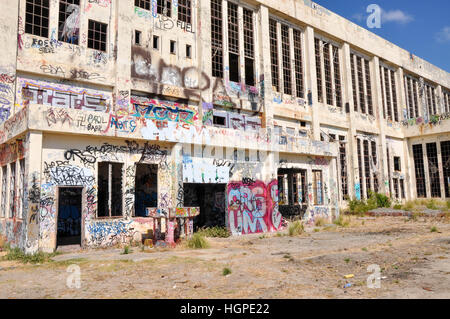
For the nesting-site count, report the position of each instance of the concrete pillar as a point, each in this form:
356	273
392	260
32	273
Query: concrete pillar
440	168
33	165
311	80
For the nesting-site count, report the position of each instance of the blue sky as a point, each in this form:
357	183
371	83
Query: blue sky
420	27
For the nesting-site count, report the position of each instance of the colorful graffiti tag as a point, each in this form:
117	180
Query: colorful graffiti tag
253	208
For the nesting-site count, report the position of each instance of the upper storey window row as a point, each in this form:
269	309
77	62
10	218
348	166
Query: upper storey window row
287	72
37	15
361	82
329	88
164	7
240	39
389	94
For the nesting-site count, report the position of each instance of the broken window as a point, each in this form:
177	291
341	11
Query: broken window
4	190
317	187
188	51
146	188
110	190
343	162
69	21
430	98
22	185
446	102
402	188
318	69
286	58
249	48
445	154
97	35
360	165
394	96
12	190
412	96
137	37
274	54
433	169
144	4
173	47
216	39
396	191
383	94
164	7
397	166
374	163
337	76
233	42
184	10
292	187
37	17
389	169
355	94
367	167
298	64
388	93
368	87
155	42
362	100
419	170
327	69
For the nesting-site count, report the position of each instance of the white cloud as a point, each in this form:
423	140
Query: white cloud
396	16
443	35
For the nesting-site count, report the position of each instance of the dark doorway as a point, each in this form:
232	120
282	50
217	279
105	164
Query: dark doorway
292	192
146	188
211	200
69	216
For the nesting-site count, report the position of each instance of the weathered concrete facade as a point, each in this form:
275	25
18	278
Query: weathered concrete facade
121	122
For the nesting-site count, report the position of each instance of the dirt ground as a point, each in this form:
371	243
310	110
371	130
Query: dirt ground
414	263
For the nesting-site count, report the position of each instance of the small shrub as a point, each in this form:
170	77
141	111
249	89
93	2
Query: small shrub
296	228
448	204
431	204
319	222
37	258
340	221
197	241
226	271
408	206
216	231
398	207
127	250
383	200
434	229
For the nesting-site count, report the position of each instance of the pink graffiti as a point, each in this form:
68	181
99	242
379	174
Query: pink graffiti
253	208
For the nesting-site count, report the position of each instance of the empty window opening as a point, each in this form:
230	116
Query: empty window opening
292	192
184	10
274	54
337	77
298	64
362	100
234	67
233	42
397	166
433	169
216	39
110	190
374	165
419	170
327	69
396	190
188	51
383	94
388	94
69	216
367	167
69	21
389	170
211	200
173	47
97	33
22	187
343	163
137	37
402	188
146	188
37	17
286	58
4	190
368	87
355	94
219	120
445	154
12	190
164	7
318	70
156	42
144	4
394	96
249	48
409	97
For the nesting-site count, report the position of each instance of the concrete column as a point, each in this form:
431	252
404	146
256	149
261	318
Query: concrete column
378	105
265	78
33	166
352	159
204	54
439	100
440	168
311	80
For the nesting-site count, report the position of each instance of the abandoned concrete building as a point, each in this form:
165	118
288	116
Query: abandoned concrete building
146	119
